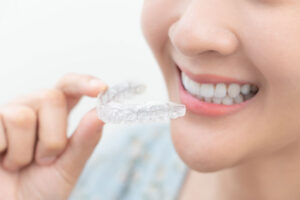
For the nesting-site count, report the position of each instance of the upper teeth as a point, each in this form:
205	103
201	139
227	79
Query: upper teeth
219	93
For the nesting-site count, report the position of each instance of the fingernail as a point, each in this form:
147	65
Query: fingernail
95	83
47	160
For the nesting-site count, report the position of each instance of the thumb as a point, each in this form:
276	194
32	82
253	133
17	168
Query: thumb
81	145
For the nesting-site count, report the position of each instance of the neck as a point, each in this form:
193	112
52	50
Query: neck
273	177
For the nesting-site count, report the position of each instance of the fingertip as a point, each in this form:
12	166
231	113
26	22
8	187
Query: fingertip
97	83
98	122
94	87
90	123
81	85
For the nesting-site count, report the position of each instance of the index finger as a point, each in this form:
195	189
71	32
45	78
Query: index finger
72	86
77	85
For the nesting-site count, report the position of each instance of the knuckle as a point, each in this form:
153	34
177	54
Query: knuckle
53	96
3	146
22	161
55	145
17	163
21	116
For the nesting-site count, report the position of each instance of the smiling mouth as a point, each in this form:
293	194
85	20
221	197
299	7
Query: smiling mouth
216	90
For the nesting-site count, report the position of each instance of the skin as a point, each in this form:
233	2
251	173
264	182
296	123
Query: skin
38	161
252	153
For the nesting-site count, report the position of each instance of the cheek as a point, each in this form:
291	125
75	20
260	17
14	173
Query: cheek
155	23
152	22
275	51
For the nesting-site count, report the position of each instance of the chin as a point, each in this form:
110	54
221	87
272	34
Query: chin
203	151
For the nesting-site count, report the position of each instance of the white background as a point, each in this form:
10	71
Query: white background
40	40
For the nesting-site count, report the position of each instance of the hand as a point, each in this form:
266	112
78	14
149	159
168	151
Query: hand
38	161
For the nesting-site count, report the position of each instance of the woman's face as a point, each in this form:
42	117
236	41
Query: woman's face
235	42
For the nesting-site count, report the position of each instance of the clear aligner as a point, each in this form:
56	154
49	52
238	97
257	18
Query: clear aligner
122	91
111	110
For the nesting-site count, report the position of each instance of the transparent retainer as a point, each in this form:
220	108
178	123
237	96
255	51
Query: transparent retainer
110	108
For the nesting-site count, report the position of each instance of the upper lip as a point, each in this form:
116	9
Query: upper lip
211	78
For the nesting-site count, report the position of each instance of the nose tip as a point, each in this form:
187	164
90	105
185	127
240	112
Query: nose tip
192	40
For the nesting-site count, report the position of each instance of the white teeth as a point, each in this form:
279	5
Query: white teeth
220	90
219	93
217	100
185	80
245	89
227	100
194	87
234	90
207	90
191	85
238	99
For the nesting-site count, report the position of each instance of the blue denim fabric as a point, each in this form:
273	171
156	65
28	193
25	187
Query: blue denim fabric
133	163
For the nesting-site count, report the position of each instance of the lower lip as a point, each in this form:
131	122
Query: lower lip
204	108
